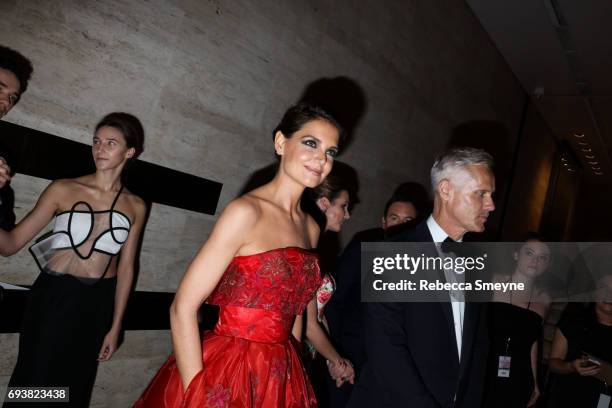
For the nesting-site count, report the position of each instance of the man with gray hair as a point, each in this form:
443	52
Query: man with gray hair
433	354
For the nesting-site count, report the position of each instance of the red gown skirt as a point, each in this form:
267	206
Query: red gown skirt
249	362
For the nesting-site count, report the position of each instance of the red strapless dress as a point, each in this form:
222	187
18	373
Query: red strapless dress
249	358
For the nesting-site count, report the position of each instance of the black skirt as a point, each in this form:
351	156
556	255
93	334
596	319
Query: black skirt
64	325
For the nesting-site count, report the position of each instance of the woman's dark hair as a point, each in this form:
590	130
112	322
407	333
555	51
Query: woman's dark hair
302	113
19	65
330	188
129	126
533	236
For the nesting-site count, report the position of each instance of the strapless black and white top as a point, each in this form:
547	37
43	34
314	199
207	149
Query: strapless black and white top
83	242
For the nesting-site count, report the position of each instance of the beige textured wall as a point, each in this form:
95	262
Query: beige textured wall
210	79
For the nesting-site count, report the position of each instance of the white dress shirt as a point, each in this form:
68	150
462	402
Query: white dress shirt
458	307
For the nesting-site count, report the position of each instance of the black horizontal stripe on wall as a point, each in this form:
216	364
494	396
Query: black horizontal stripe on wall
39	154
145	311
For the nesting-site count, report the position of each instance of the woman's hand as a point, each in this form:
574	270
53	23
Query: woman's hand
341	371
535	394
109	345
583	367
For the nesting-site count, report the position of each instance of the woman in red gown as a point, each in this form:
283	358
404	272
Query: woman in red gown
257	265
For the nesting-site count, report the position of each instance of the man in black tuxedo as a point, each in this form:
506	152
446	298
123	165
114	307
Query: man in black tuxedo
432	355
343	312
15	72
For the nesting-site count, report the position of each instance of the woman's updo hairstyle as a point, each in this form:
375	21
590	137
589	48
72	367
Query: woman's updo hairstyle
330	188
129	125
302	113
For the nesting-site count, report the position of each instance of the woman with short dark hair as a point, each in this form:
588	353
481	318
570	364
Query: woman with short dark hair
258	265
76	305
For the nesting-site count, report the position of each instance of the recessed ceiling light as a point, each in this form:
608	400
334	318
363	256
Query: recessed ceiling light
593	163
599	173
589	156
579	135
583	143
587	149
571	169
596	168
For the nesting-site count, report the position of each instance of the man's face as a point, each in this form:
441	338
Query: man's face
398	213
9	91
470	197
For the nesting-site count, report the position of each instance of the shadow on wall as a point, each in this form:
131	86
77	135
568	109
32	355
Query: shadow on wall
492	137
342	97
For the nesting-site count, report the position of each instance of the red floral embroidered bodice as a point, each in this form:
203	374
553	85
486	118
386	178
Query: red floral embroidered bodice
281	280
249	360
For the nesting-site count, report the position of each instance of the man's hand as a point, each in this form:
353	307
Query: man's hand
5	173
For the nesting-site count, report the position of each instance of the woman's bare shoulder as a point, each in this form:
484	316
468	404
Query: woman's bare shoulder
135	201
61	188
245	208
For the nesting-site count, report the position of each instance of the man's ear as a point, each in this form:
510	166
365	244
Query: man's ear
323	203
384	222
445	189
279	142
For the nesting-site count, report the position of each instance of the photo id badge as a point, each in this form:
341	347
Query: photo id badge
503	368
604	401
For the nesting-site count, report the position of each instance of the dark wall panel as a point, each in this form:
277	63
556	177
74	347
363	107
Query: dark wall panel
51	157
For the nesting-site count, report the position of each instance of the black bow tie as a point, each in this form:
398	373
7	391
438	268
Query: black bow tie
448	245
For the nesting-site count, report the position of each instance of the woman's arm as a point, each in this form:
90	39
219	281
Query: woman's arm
340	368
47	205
542	306
559	353
125	277
201	278
317	336
534	370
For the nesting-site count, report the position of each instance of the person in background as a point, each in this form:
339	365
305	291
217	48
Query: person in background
15	73
404	209
515	327
330	202
75	307
581	336
344	308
